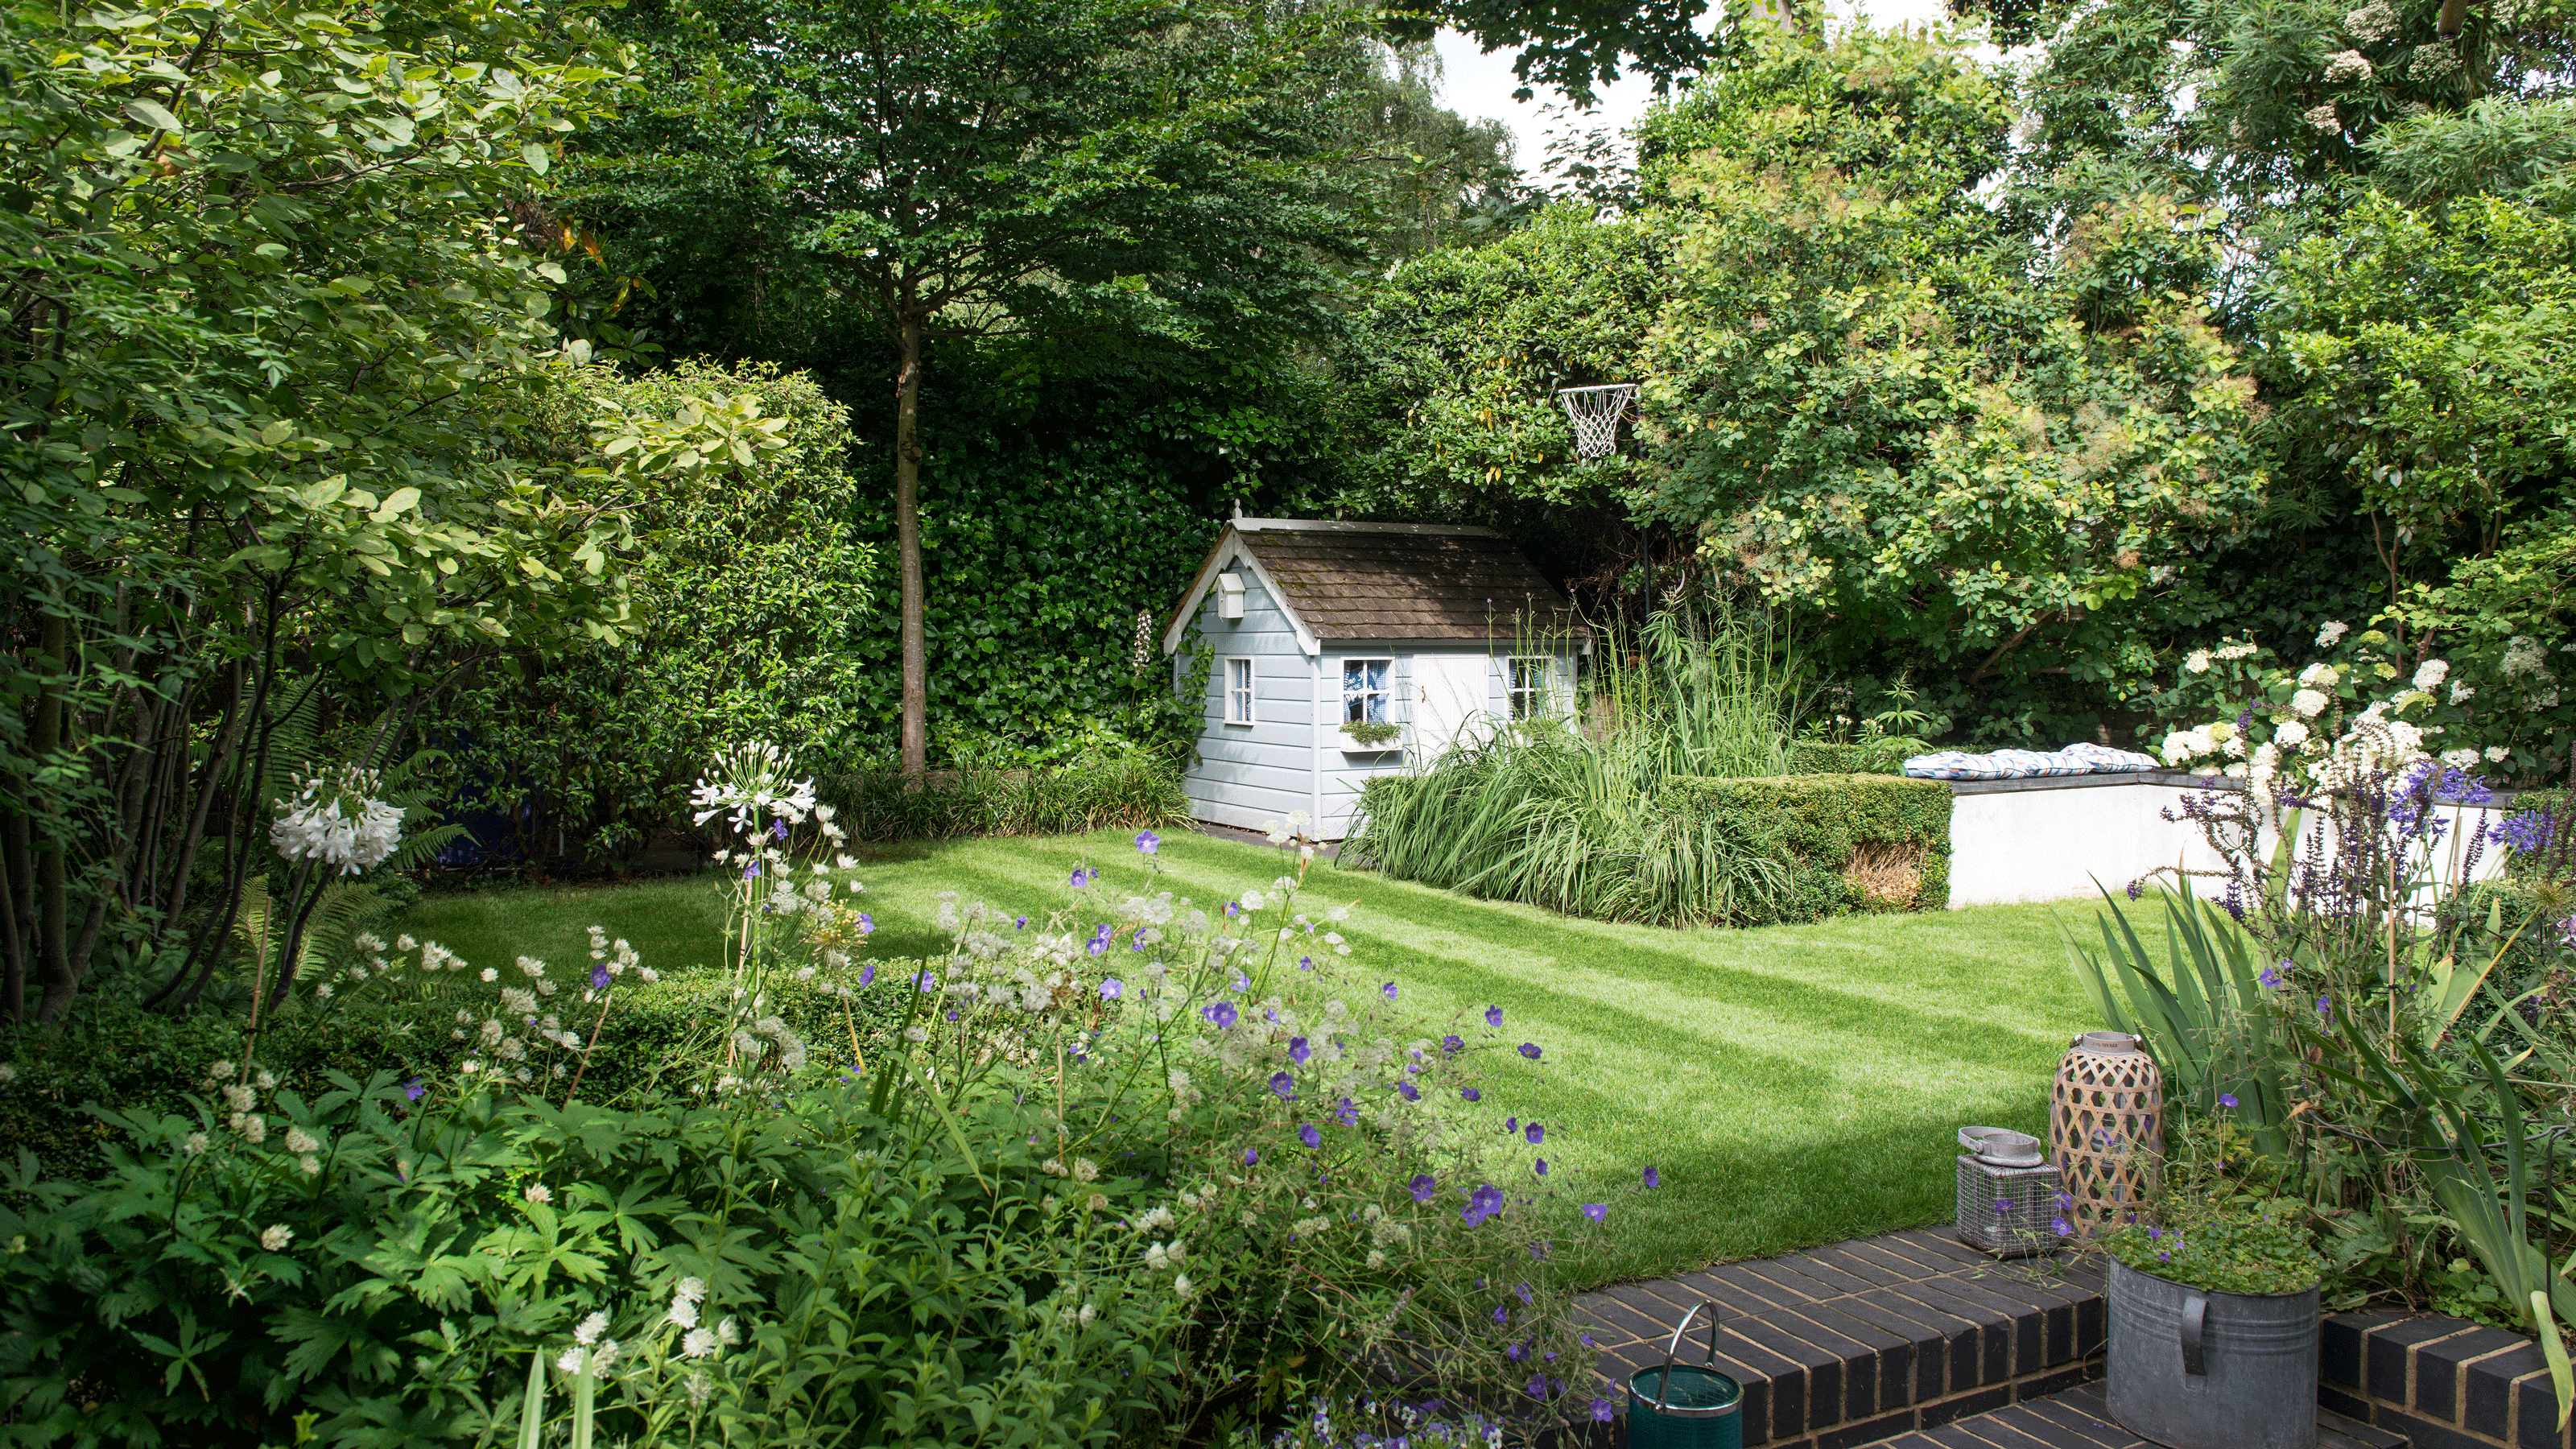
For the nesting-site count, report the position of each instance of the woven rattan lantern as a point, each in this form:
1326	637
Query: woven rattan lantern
2106	1129
2007	1194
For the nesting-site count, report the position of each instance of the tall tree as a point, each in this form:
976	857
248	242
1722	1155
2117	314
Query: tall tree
955	169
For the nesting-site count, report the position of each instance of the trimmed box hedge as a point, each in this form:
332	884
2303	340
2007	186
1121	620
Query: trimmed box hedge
1854	842
1885	755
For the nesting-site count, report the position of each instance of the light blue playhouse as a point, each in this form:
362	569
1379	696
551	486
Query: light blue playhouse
1444	633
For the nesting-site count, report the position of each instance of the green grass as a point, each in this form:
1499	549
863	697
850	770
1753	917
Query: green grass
1794	1084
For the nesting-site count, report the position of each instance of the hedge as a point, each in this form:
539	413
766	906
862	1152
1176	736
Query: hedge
1885	755
1854	842
115	1055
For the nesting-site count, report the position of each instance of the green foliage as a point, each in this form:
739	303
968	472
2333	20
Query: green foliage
1875	755
397	1288
750	603
1115	784
271	328
1849	842
2202	1246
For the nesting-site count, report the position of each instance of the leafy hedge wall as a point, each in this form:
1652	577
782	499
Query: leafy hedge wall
1854	842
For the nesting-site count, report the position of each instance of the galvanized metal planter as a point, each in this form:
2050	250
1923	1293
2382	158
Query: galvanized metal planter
1686	1406
2198	1369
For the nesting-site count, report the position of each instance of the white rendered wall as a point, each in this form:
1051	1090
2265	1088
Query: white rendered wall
2050	840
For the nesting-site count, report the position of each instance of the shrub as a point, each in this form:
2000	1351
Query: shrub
1112	785
1880	755
1851	842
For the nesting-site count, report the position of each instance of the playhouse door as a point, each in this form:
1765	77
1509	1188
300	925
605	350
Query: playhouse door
1449	699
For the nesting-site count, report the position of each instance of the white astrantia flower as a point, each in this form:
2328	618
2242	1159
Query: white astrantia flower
299	1141
697	1343
334	817
539	1193
195	1145
276	1237
590	1329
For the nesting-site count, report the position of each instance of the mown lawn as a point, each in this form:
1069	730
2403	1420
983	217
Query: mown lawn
1793	1084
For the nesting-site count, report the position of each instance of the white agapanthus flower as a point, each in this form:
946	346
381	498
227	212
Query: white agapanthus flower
335	818
752	789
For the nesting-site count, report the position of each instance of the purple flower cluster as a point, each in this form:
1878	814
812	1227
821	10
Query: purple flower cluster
1483	1203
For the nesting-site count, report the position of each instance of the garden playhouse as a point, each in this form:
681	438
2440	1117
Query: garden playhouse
1346	650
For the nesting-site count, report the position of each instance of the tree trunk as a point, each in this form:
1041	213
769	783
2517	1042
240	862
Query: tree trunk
907	543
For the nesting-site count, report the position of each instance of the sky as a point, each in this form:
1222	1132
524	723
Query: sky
1478	85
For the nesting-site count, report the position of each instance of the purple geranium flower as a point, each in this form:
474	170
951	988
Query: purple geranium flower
1471	1094
868	923
416	1089
1517	1352
1596	1210
778	830
1483	1203
1452	1044
2227	1099
1347	1112
1284	1085
1149	842
1540	1167
1305	963
1234	908
1079	878
1408	1091
2059	1227
1493	1016
868	974
599	978
1601	1411
1389	989
1529	1049
1019	923
1222	1015
1307	1134
1653	1179
1110	989
2271	977
1535	1133
1424	1185
1251	1155
1298	1050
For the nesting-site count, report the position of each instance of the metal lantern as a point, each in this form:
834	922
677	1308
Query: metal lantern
2106	1129
2007	1193
1686	1406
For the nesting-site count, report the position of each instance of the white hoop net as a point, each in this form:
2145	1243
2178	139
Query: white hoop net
1595	413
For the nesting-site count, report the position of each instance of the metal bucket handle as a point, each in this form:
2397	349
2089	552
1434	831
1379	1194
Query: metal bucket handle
1664	1386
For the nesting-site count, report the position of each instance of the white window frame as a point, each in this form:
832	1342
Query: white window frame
1524	696
1384	694
1241	695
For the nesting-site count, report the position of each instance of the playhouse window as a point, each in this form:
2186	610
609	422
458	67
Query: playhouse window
1364	689
1238	691
1529	686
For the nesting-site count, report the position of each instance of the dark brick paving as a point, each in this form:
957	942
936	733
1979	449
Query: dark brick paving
2078	1419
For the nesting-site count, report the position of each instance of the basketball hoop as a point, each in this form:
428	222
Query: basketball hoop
1595	413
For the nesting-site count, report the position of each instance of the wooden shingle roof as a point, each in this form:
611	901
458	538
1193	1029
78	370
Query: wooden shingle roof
1367	581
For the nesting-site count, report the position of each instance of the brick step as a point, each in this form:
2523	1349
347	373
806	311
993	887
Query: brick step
1866	1340
2078	1418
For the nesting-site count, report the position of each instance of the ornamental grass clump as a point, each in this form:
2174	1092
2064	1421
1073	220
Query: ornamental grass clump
1563	813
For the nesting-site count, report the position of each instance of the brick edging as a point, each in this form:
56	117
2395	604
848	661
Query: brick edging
2442	1382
